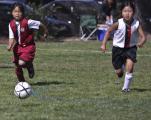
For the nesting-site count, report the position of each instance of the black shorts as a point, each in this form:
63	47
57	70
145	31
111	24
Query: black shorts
119	56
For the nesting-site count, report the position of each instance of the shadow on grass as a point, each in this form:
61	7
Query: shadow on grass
6	66
141	89
46	83
30	105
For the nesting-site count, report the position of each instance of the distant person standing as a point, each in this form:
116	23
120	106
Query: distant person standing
107	8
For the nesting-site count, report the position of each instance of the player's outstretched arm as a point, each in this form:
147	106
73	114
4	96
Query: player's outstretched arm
45	30
142	37
107	36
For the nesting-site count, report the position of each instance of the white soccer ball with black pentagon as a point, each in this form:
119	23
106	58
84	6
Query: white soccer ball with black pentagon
23	90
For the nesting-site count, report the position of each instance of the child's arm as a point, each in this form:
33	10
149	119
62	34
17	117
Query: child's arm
11	44
12	40
45	30
142	37
34	24
107	36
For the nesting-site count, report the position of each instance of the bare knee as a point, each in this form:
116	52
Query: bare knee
129	66
119	73
21	63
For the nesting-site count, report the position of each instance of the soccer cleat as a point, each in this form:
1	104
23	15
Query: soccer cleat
125	90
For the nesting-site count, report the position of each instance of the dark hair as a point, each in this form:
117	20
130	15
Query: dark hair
128	3
20	6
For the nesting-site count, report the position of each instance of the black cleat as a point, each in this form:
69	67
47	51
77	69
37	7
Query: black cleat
126	90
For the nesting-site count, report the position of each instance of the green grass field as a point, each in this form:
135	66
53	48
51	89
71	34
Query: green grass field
74	81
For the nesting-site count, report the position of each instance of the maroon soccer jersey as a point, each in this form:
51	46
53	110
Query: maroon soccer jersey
25	46
26	34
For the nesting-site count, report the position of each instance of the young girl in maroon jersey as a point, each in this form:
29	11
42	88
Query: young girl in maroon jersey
125	43
21	40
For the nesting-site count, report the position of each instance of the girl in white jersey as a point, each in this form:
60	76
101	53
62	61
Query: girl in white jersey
125	43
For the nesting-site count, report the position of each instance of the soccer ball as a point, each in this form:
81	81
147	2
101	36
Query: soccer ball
22	90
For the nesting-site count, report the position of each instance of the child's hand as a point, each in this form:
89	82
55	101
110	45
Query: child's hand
11	44
45	35
140	45
9	48
103	48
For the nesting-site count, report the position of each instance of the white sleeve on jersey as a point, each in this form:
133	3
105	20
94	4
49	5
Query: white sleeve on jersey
11	34
33	24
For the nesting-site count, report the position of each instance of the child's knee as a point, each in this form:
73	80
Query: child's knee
119	73
21	63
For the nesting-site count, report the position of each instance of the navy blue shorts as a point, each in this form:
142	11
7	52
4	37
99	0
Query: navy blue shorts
119	56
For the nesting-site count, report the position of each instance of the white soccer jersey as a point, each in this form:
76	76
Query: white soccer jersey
120	34
32	24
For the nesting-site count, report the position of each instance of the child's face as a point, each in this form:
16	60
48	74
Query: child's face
127	13
17	14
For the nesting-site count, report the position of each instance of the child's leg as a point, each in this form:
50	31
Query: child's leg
22	63
30	69
118	61
119	72
28	54
29	66
19	70
128	75
19	73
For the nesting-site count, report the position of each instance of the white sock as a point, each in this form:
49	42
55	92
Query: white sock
128	79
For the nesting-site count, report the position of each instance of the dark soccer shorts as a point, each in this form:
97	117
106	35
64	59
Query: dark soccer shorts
119	56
